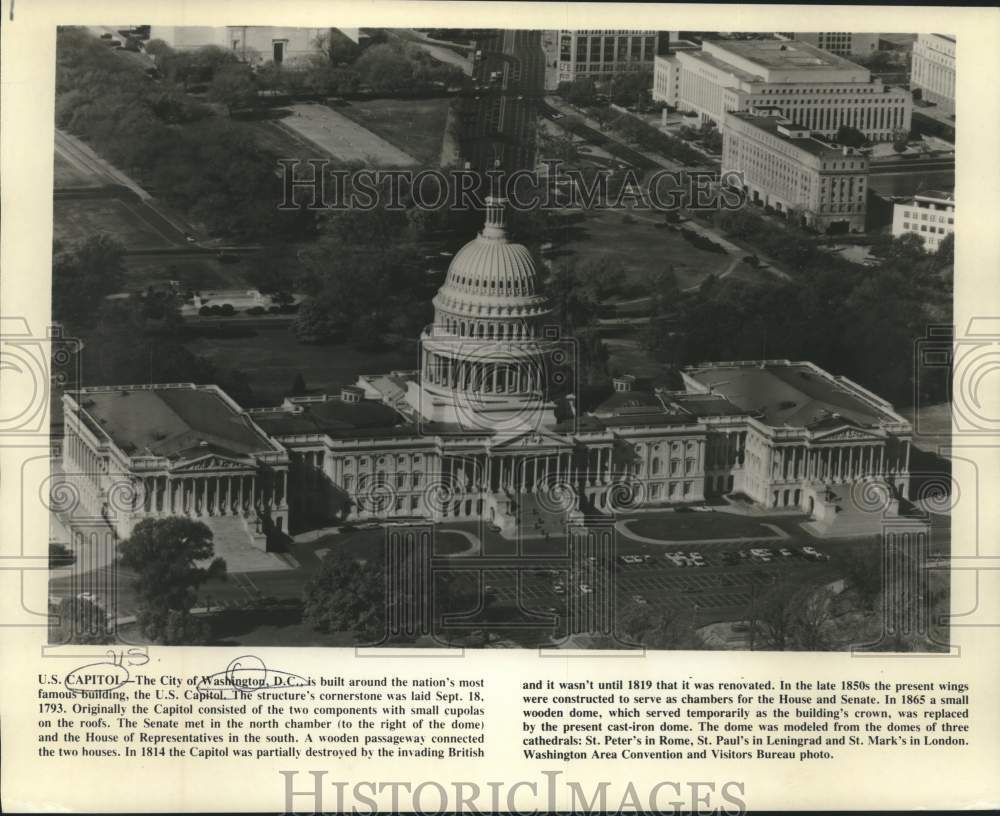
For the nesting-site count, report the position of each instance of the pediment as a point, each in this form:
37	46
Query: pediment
532	439
847	433
212	462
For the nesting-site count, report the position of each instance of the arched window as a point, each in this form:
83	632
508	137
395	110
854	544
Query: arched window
656	465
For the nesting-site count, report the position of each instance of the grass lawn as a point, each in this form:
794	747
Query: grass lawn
639	247
415	126
273	357
681	526
193	273
73	220
68	174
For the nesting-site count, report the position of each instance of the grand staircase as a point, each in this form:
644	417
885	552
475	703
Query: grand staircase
243	549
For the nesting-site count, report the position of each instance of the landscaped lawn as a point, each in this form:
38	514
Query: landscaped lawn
197	274
681	526
415	126
272	358
68	174
639	247
74	219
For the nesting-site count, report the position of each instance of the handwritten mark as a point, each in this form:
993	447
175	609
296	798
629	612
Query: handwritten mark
247	675
101	676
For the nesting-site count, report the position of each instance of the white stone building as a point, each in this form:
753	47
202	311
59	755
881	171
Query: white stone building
475	434
841	43
786	168
251	43
933	69
599	54
930	214
819	90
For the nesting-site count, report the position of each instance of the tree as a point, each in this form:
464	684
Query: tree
579	92
571	306
385	68
346	595
659	629
318	322
233	86
338	48
850	136
298	388
83	621
164	555
83	275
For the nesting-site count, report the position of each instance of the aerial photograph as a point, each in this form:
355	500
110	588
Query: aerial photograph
499	338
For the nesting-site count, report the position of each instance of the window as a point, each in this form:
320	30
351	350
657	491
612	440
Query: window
687	488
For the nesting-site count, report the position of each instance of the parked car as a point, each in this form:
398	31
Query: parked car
586	589
639	599
814	554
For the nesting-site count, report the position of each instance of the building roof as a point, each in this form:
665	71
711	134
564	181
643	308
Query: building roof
792	394
773	126
705	405
785	55
491	271
335	418
627	402
177	422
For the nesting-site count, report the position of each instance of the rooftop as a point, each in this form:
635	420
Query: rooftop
793	394
336	418
179	422
774	126
788	54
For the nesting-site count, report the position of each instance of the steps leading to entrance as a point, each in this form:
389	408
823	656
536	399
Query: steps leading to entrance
242	549
536	519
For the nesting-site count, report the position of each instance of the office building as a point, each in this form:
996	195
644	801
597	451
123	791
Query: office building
930	214
812	87
786	168
933	70
841	43
601	55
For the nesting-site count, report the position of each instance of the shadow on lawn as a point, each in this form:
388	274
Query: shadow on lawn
232	623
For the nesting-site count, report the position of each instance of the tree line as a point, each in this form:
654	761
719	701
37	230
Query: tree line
862	322
207	166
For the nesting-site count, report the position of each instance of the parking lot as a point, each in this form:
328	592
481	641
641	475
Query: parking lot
717	582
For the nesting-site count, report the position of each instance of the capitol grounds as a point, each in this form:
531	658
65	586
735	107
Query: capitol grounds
702	565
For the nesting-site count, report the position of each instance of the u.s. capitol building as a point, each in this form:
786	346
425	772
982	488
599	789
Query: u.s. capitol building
483	430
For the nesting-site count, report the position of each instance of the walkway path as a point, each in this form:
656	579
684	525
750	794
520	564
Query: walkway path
475	543
779	535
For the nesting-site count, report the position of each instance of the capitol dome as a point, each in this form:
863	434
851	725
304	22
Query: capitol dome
491	279
489	335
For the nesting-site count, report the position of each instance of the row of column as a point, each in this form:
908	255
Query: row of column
852	112
485	377
524	474
207	495
837	464
726	451
80	453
